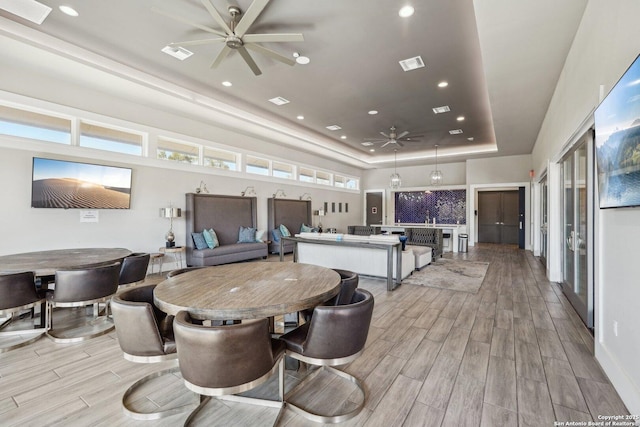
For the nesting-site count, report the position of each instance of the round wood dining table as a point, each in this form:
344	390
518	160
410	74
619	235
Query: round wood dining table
45	263
248	290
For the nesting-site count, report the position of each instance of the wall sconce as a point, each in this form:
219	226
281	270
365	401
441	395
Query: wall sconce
202	188
305	196
170	213
279	193
249	191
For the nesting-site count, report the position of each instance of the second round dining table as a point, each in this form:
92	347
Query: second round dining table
248	290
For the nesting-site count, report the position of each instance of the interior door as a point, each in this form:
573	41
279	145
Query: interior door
373	208
489	217
499	217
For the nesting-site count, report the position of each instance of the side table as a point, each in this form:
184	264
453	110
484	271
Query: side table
177	253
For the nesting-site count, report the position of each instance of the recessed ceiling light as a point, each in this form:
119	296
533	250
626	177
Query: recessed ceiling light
30	10
460	118
334	127
443	84
470	138
278	100
372	150
343	137
406	11
373	112
301	59
300	117
68	10
177	52
412	63
455	131
440	110
227	83
367	144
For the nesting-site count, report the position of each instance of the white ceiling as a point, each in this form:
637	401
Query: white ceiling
502	59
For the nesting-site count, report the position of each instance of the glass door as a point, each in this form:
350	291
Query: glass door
544	216
576	235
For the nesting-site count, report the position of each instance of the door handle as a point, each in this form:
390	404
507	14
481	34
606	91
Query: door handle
520	225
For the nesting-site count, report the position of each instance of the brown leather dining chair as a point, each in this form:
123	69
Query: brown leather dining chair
335	336
145	335
81	288
17	294
223	361
348	284
133	270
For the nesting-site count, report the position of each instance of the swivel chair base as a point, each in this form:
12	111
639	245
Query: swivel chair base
326	419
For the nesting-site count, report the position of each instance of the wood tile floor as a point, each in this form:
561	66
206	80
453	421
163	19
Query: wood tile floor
514	354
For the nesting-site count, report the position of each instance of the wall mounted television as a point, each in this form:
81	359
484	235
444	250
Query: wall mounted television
617	123
73	185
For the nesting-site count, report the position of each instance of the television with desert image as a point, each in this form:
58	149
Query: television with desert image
73	185
617	123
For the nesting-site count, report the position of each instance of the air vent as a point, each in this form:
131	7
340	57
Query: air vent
367	144
30	10
177	52
455	131
440	110
412	63
278	100
334	127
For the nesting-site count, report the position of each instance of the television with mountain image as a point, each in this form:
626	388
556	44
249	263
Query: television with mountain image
73	185
617	125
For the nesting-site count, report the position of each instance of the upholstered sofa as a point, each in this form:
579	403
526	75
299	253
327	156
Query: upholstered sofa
288	212
225	214
364	255
431	237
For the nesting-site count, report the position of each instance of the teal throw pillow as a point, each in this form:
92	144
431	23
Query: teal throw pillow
284	230
276	235
306	229
211	238
199	241
260	236
247	235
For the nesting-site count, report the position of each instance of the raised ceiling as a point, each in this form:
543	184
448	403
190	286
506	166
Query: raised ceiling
501	60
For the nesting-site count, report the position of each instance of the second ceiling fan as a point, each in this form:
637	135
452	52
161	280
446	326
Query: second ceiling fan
235	37
394	138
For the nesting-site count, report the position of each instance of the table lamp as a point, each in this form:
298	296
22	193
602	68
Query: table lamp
170	213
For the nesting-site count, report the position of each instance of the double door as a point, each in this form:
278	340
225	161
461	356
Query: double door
499	217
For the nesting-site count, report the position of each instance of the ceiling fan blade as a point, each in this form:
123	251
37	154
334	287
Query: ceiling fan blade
186	21
412	137
250	16
270	53
385	135
400	144
196	42
249	60
223	54
216	16
406	132
386	143
263	38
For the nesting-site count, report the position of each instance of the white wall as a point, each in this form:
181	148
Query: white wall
499	169
606	43
140	228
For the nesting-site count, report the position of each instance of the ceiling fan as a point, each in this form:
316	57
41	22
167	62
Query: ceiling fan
394	138
235	37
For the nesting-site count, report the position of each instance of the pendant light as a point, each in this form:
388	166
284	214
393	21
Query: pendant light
436	175
395	181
